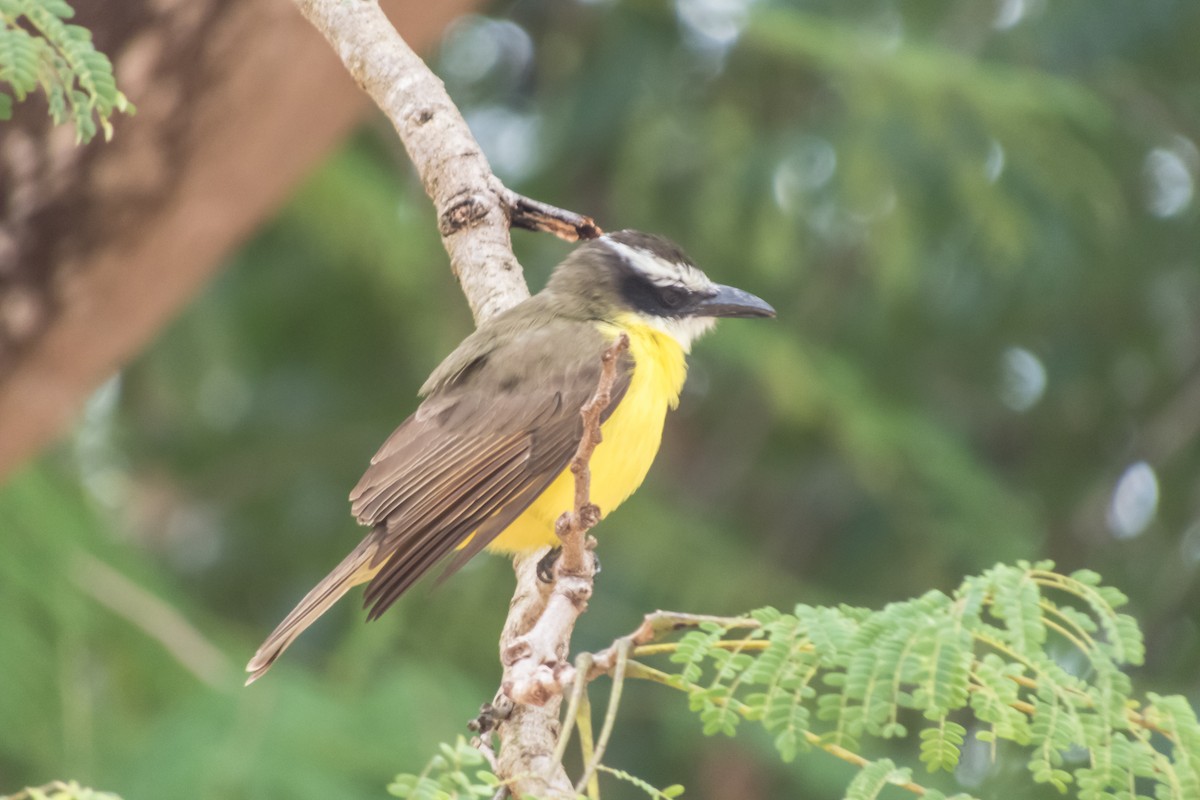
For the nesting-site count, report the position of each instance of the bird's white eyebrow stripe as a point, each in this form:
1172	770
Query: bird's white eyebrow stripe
658	270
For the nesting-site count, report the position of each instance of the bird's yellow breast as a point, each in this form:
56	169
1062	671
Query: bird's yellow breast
632	434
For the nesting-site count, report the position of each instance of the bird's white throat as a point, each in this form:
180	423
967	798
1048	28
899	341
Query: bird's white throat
684	330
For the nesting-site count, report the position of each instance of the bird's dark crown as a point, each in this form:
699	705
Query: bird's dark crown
642	272
660	247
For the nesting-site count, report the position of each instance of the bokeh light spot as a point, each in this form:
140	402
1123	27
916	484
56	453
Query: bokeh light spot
1134	501
1008	14
1189	543
713	23
993	165
476	47
1022	379
1169	183
807	168
509	138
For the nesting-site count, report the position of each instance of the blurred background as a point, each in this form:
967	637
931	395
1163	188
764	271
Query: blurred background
977	222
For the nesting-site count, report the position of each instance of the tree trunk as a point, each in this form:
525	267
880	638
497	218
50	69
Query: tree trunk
101	245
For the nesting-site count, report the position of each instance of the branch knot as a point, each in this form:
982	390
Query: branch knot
464	212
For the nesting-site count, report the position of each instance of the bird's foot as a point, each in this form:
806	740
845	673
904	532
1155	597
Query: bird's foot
545	567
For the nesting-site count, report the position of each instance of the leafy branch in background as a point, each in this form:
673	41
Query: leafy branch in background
446	776
39	50
60	790
1019	654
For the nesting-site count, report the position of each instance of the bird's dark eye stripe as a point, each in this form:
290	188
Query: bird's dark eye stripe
650	298
673	296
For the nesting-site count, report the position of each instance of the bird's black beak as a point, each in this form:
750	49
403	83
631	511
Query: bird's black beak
731	302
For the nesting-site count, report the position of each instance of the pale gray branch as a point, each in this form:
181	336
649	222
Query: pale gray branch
474	209
474	213
468	198
529	733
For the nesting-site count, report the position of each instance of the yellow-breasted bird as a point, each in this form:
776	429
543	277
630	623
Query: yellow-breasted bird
483	460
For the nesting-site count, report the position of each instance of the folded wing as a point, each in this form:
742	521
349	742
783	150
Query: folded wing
478	452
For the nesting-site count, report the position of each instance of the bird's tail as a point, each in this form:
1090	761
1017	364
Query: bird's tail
358	567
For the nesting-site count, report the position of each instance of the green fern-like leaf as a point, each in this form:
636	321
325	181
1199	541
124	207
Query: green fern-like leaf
716	712
873	778
719	709
941	746
61	59
59	8
1015	601
786	670
81	114
62	790
1052	734
871	672
829	630
995	698
1177	720
1122	638
693	648
454	774
945	671
831	677
20	57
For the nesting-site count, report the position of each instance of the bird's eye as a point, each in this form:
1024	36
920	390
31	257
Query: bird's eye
673	296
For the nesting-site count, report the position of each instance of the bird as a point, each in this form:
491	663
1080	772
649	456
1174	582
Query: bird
483	461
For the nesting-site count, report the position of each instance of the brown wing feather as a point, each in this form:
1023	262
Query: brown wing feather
480	449
410	562
478	452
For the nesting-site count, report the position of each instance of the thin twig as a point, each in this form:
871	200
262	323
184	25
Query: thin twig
659	623
572	526
587	746
474	209
484	745
157	618
583	666
535	666
610	715
636	669
660	648
474	212
534	215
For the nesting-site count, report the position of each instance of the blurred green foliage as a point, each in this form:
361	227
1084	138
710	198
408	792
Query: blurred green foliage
977	222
